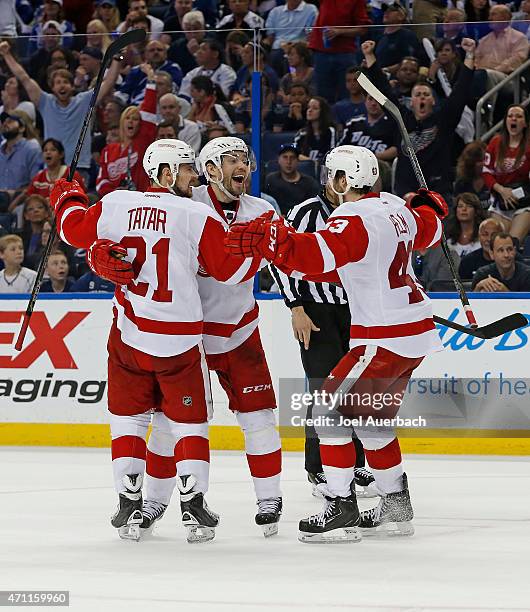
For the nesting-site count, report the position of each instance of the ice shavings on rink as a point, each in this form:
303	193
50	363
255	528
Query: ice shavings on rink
470	551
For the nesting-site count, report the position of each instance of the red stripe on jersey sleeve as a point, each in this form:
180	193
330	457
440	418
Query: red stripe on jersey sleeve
77	225
220	264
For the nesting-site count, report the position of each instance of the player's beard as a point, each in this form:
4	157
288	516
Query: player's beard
182	194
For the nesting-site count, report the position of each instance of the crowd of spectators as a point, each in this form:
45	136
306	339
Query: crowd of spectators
192	79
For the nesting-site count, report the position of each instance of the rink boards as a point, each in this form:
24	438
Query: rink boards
53	392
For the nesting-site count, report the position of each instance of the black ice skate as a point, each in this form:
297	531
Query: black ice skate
128	517
199	520
365	483
335	524
391	517
152	511
315	480
268	516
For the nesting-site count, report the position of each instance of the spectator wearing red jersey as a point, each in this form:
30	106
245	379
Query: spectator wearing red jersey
121	162
506	172
53	154
333	43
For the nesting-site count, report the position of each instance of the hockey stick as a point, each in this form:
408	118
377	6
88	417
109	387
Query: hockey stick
507	323
493	330
130	37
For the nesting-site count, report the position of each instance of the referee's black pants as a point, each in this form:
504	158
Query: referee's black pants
326	348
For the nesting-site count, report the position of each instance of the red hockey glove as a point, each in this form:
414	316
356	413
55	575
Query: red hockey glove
106	259
432	199
258	237
64	190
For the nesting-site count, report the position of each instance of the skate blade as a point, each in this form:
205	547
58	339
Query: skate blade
196	534
389	530
131	531
365	493
269	530
344	535
147	532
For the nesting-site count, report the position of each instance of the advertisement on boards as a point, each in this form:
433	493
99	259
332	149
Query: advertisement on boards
60	376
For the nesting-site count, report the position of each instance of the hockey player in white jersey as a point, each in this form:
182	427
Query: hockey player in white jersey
155	358
232	344
366	246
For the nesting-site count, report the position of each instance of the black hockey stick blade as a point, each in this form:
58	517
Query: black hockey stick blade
487	332
128	38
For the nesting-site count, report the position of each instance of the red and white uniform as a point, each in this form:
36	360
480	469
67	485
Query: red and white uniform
511	171
366	246
230	313
233	350
41	184
115	159
154	356
160	313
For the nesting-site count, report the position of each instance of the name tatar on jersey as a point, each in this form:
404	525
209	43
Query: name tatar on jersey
148	218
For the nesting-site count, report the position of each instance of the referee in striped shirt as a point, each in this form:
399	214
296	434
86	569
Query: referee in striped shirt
321	324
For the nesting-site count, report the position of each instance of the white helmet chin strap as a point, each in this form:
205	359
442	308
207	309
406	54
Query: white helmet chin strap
219	182
220	185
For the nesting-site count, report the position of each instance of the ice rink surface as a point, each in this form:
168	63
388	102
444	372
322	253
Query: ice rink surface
471	550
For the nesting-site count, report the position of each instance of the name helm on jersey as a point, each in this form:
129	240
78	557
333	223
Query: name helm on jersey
214	151
168	151
359	165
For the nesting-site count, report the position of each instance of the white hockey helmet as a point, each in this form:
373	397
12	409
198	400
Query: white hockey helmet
358	163
214	150
167	151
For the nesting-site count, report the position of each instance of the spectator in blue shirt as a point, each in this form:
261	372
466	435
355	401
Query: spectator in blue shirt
244	74
397	42
133	89
62	112
52	12
477	16
57	270
287	24
290	22
20	158
346	109
91	283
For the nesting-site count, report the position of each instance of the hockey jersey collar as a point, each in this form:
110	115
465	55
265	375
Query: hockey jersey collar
219	206
158	190
370	194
